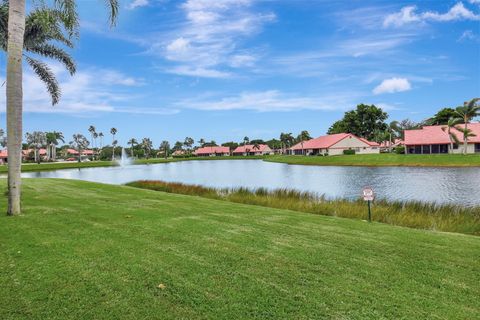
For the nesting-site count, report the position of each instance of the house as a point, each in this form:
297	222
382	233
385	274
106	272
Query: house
435	139
253	150
178	153
212	151
72	153
335	144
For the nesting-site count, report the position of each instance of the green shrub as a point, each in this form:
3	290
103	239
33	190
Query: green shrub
400	150
349	152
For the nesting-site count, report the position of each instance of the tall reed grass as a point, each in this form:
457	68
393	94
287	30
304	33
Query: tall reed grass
414	214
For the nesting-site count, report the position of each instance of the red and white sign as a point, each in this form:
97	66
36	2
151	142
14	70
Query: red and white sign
368	194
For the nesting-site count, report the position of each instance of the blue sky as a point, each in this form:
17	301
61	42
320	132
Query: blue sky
227	69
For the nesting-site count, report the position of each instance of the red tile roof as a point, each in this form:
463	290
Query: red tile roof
327	141
84	152
212	150
251	148
437	135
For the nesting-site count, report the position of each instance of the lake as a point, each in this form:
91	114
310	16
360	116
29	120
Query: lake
440	185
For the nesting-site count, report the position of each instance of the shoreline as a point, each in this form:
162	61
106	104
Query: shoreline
380	160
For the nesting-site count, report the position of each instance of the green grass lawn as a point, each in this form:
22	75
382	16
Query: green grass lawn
90	251
384	159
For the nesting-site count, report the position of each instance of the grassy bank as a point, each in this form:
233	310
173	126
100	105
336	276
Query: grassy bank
48	166
410	214
91	251
376	160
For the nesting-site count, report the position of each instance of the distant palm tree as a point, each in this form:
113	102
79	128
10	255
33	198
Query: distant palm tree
188	143
201	142
3	139
132	142
93	132
147	146
452	122
79	143
165	146
53	139
466	113
36	140
178	146
286	140
100	135
95	147
303	136
113	132
246	140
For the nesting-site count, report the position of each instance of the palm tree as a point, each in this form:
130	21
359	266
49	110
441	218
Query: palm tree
36	140
100	135
113	132
303	136
246	140
3	139
53	139
93	132
286	139
188	143
79	143
132	142
147	146
95	137
201	142
452	122
465	114
165	146
65	16
178	146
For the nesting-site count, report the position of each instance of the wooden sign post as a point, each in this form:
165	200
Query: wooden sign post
369	196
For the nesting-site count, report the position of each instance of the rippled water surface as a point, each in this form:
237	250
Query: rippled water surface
441	185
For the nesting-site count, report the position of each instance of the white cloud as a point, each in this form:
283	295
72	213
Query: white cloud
87	93
137	4
408	15
392	85
468	35
207	43
271	101
185	70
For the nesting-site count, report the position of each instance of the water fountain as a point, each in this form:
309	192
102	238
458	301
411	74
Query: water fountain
125	160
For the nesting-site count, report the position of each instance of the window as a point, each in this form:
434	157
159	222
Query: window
443	148
455	146
435	148
477	147
426	149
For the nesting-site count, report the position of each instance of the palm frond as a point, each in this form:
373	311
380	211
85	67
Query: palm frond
455	138
68	8
46	75
53	52
113	7
45	24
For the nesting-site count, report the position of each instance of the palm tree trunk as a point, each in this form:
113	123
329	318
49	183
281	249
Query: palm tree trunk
16	31
113	149
465	138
